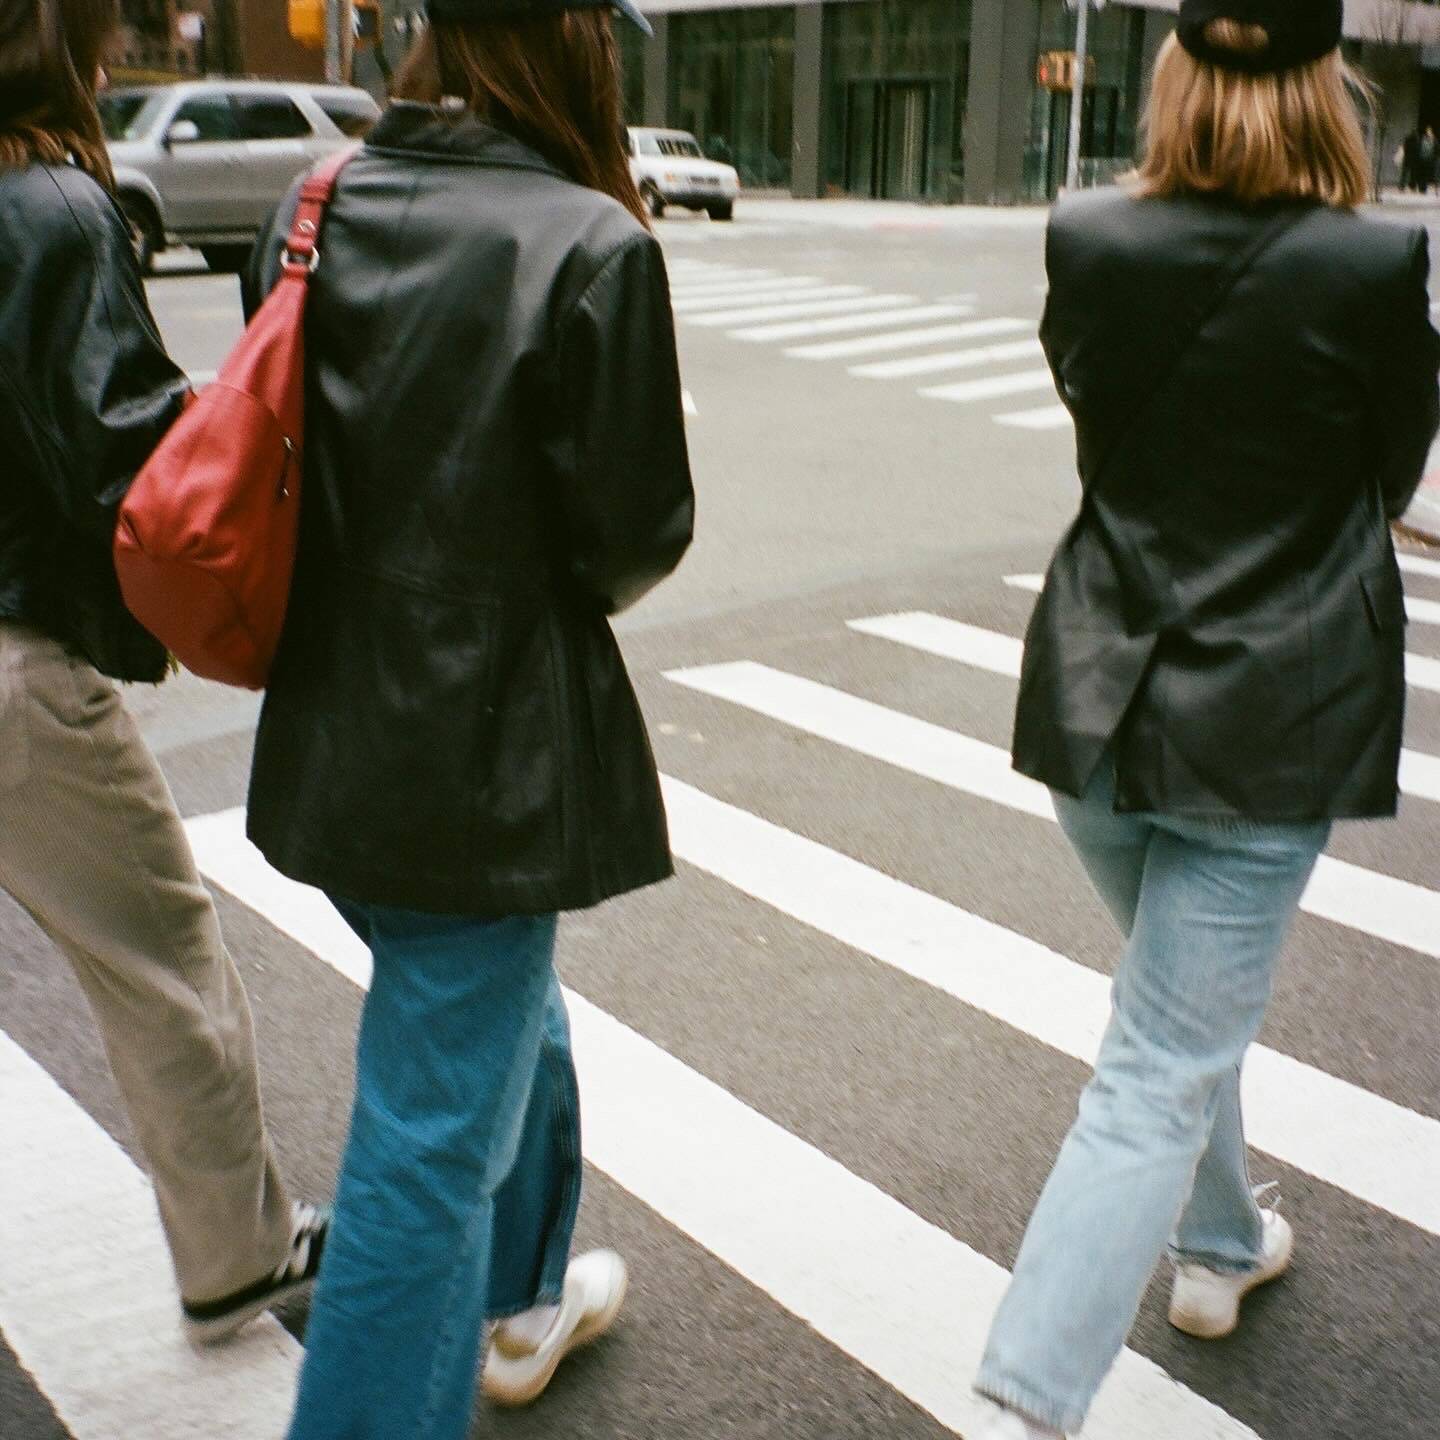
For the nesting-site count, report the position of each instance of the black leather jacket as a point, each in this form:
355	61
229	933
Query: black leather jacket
1227	608
495	462
86	393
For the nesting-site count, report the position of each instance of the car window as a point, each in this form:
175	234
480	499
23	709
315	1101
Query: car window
681	147
350	114
648	145
211	115
270	117
130	114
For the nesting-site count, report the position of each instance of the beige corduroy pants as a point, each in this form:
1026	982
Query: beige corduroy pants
92	846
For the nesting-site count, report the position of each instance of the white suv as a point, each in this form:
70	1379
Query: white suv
671	169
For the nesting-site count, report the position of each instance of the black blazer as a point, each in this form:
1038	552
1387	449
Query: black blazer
1226	608
86	393
495	462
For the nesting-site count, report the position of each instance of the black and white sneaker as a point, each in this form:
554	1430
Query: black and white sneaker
217	1320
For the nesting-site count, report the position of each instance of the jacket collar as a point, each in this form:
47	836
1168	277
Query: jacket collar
438	133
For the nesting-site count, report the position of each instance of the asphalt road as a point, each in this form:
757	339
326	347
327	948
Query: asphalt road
827	1069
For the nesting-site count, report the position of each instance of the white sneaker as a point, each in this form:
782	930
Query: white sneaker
1003	1424
1206	1303
517	1370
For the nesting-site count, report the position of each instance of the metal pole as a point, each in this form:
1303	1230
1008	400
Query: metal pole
1077	96
335	16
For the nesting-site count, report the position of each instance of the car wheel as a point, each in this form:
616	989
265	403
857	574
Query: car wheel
654	200
722	212
146	236
227	259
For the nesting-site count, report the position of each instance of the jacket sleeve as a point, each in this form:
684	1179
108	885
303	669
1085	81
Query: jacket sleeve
619	449
1408	394
100	391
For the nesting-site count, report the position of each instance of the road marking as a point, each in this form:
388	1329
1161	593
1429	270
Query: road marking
1397	911
757	314
713	279
1422	612
740	289
907	339
1048	417
902	1297
87	1295
1356	1141
687	401
1417	565
789	294
797	330
992	387
952	360
1419	772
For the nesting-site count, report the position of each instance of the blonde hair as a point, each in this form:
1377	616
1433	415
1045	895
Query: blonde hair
1251	136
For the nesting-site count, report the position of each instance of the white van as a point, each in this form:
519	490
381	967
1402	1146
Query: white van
671	169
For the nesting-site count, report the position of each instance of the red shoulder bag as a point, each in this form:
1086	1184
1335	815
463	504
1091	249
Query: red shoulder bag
205	547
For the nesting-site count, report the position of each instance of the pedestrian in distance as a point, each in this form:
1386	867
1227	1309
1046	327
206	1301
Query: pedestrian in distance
1215	671
450	746
1410	160
90	841
1427	158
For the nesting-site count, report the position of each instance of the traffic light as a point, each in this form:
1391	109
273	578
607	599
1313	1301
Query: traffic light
1056	70
307	23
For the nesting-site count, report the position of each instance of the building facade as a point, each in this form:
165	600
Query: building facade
943	100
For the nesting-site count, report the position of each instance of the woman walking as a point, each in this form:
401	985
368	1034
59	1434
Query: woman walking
90	842
1215	671
450	746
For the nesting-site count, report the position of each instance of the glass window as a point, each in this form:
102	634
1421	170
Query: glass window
211	115
632	72
130	114
1110	116
682	147
271	117
898	80
350	114
732	77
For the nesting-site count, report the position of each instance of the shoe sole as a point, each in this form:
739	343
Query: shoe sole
586	1333
1199	1327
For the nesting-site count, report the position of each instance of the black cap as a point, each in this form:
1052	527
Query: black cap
461	10
1301	31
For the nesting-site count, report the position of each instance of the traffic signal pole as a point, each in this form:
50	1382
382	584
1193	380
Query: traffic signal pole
1077	95
335	18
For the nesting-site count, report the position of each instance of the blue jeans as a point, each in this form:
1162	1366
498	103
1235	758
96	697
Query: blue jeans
1158	1151
461	1179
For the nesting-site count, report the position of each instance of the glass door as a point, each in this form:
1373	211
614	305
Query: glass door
862	137
907	141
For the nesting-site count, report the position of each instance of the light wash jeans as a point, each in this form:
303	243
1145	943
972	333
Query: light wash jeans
461	1180
1158	1151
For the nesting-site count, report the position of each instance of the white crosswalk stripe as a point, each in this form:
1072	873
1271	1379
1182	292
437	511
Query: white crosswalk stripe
755	314
799	329
968	391
907	339
949	360
1045	417
790	293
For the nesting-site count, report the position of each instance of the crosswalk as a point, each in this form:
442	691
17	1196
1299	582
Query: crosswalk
818	320
85	1301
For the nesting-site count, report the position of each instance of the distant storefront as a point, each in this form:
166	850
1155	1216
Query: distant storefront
942	100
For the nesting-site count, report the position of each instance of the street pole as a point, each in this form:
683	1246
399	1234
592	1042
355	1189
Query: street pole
335	16
1077	95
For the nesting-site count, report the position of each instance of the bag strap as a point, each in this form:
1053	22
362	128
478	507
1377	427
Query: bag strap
301	256
1235	268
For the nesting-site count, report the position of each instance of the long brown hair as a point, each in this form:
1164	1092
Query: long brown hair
552	81
1254	137
50	57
